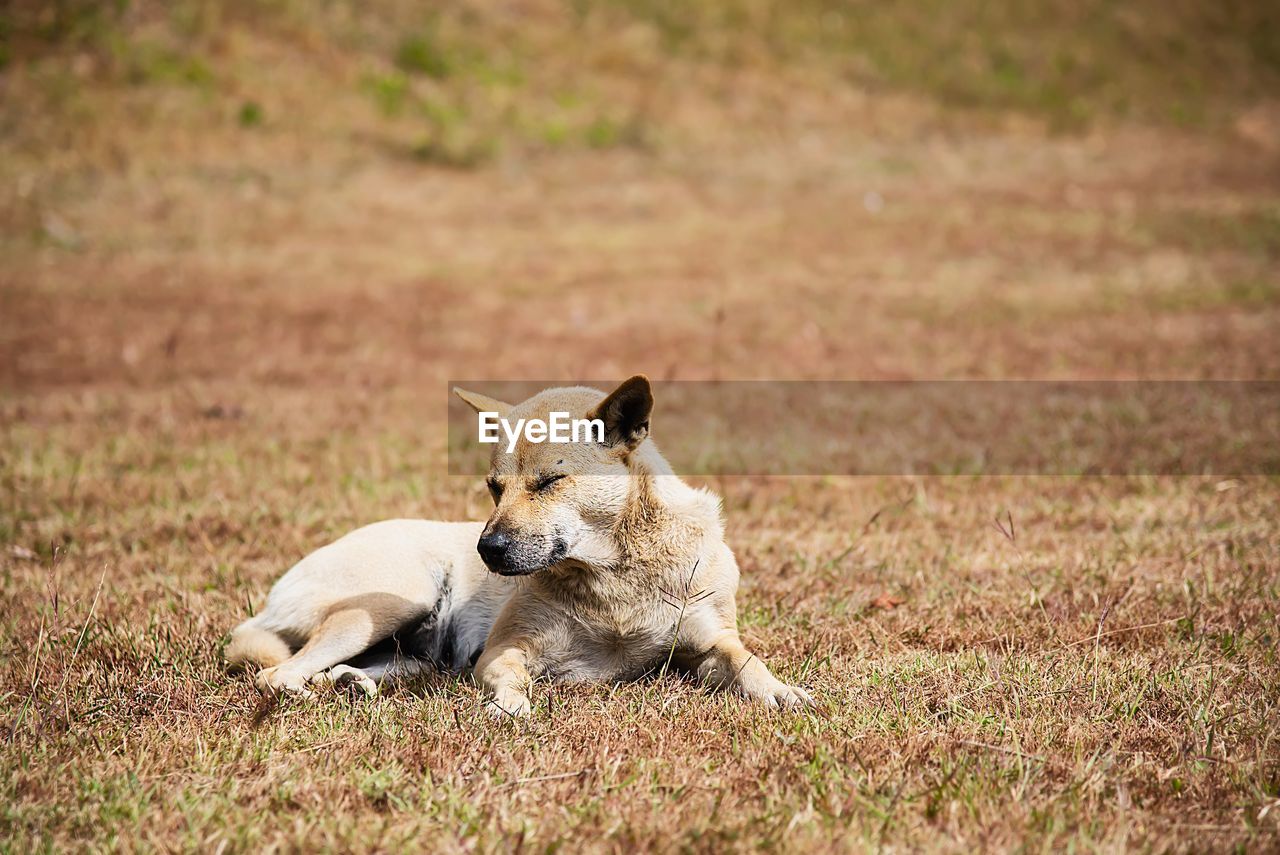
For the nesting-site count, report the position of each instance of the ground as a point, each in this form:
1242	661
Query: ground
237	277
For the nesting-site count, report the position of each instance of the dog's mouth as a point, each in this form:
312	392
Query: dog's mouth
519	563
514	571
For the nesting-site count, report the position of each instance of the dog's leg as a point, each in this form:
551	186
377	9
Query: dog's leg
503	673
349	677
369	674
339	637
729	665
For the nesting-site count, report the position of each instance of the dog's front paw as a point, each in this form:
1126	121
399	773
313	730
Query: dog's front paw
509	705
778	695
277	682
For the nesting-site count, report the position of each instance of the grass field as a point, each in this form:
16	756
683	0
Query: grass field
244	246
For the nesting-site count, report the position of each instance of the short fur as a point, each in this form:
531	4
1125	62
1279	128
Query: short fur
599	564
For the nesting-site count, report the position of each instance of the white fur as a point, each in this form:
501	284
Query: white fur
375	580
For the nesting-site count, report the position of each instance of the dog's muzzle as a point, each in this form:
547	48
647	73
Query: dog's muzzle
493	549
509	557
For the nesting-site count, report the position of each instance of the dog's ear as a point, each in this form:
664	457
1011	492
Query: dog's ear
483	403
625	412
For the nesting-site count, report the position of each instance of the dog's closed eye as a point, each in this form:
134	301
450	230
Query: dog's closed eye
544	482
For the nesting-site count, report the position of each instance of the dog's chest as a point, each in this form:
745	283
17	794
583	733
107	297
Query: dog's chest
615	649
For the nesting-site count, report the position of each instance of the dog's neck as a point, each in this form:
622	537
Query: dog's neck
661	505
657	540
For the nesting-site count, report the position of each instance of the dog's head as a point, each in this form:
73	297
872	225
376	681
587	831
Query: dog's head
554	501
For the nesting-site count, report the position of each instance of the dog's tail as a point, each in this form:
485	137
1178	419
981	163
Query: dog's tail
252	644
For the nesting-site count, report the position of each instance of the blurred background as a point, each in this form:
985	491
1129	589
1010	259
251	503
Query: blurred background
393	192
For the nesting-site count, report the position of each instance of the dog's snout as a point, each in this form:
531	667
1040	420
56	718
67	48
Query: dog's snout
493	548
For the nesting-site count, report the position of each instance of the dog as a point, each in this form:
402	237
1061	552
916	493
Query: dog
598	563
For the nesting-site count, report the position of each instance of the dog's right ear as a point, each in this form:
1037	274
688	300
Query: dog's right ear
625	412
483	403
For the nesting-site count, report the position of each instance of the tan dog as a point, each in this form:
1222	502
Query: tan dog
598	563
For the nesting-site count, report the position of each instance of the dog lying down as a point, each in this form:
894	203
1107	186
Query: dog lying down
598	563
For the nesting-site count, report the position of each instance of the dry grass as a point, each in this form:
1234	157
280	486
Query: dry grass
225	340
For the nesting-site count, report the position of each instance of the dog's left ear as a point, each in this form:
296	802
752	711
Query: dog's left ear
625	412
483	403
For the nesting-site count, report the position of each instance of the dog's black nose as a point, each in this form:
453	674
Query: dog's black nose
493	548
